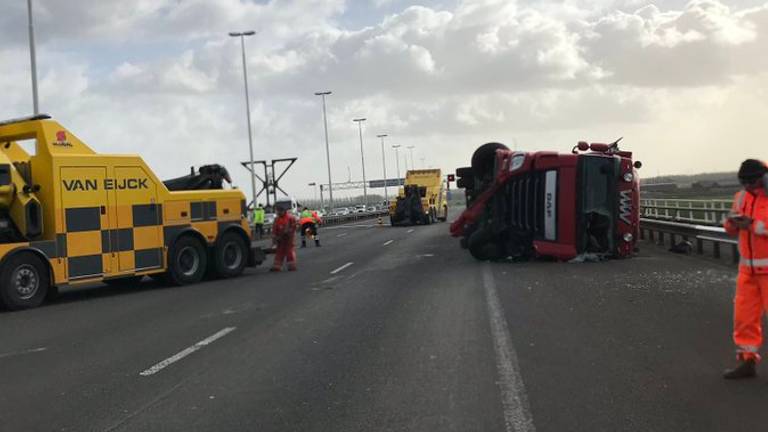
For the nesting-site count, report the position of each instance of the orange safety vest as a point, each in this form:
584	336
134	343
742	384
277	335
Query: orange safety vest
311	219
753	242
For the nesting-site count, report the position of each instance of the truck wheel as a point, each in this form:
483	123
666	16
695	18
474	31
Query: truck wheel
187	261
483	246
230	255
24	282
483	162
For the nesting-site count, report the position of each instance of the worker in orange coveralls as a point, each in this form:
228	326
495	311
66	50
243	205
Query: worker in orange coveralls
749	220
283	233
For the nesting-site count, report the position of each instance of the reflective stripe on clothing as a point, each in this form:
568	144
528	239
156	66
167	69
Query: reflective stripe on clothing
760	228
740	200
754	262
748	348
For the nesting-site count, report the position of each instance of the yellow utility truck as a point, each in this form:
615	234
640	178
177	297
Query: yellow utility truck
421	200
71	216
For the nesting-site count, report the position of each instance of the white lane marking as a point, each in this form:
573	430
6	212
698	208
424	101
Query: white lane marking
342	268
410	231
27	351
342	234
187	351
517	414
389	242
337	227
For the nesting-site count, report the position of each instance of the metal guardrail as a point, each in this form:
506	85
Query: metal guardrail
701	212
338	220
698	235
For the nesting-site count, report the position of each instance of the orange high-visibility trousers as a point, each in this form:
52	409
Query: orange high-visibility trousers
749	305
285	251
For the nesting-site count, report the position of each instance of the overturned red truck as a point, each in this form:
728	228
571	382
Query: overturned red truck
547	204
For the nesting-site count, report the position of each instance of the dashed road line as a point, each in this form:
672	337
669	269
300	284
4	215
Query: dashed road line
517	414
342	268
342	235
187	351
22	352
389	242
410	231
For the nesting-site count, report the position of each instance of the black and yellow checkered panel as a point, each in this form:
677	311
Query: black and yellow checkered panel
91	245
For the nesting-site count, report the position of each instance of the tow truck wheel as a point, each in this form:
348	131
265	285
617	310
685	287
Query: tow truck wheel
187	261
230	255
24	282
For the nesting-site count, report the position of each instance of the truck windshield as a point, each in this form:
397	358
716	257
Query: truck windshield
597	203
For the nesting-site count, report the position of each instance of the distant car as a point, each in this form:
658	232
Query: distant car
341	211
269	218
359	208
371	209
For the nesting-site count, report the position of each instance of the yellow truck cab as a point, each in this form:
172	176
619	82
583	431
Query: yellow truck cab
421	200
71	216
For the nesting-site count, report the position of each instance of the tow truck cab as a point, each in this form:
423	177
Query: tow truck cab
559	205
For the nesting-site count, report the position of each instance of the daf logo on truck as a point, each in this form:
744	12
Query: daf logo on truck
108	184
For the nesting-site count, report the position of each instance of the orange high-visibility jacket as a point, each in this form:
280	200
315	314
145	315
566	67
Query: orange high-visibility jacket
314	218
284	228
753	242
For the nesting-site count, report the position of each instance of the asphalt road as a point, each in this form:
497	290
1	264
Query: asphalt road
388	329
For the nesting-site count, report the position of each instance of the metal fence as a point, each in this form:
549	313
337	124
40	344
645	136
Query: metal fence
701	212
702	237
340	220
697	221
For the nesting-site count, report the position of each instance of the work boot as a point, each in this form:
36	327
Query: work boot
274	269
303	243
745	369
317	243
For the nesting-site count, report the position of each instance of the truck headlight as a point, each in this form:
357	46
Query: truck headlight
628	237
628	177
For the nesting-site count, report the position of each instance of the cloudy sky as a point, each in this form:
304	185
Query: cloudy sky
685	83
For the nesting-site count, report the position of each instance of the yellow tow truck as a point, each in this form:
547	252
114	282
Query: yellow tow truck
71	216
421	200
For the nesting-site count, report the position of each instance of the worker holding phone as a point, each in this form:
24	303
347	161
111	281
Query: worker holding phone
749	221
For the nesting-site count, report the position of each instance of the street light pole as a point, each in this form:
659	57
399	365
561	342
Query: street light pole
242	36
327	149
359	122
384	163
397	161
33	58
